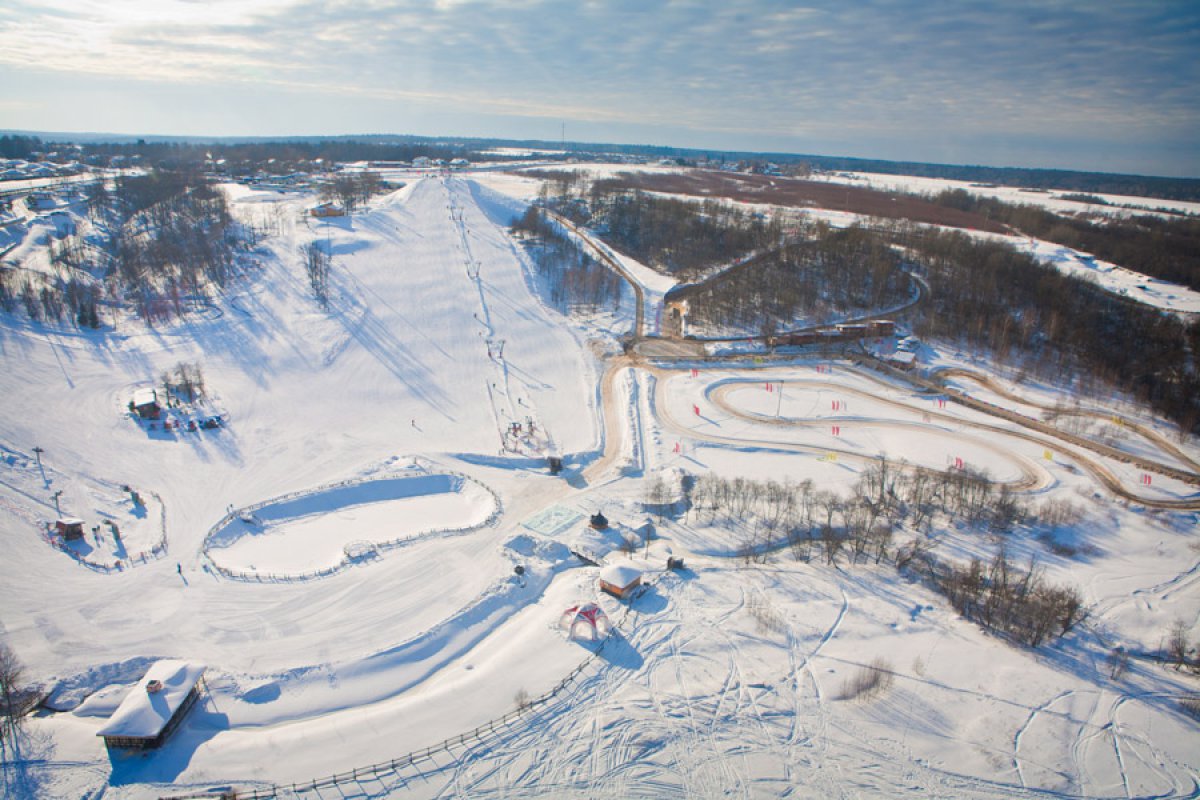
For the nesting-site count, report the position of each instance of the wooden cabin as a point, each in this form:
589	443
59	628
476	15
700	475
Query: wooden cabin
145	403
69	528
154	708
620	580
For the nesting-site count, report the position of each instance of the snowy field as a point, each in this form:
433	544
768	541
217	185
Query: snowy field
385	420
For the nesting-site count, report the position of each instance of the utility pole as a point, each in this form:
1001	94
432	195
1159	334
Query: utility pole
37	451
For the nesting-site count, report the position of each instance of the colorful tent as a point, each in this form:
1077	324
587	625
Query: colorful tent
587	622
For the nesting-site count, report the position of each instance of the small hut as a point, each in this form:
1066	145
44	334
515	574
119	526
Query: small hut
155	707
69	528
598	521
145	403
620	579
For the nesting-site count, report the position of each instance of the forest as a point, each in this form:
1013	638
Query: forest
814	279
989	296
677	237
158	241
574	280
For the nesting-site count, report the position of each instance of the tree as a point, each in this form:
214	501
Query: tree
12	679
317	262
1177	643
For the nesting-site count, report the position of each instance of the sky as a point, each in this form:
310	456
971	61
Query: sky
1102	85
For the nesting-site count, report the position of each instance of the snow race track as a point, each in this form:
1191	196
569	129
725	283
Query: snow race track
388	421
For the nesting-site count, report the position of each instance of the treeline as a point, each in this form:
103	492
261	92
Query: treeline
860	527
819	279
17	146
278	157
988	295
1153	245
572	278
273	157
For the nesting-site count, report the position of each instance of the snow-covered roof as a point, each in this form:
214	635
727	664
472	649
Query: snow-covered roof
144	397
143	714
902	357
620	575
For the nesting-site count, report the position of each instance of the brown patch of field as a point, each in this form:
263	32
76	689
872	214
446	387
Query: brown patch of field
798	193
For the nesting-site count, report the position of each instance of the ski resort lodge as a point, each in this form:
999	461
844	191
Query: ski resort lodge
155	707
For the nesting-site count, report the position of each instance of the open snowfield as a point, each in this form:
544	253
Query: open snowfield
383	423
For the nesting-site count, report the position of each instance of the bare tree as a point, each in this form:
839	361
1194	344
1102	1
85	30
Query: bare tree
1118	663
12	678
1177	643
317	262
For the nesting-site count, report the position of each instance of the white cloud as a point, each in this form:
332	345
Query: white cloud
1024	67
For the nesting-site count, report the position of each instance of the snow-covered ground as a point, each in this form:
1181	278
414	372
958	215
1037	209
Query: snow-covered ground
389	419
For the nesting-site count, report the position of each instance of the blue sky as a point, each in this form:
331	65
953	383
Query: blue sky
1100	85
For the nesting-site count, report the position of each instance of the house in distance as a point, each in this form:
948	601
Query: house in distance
155	707
327	210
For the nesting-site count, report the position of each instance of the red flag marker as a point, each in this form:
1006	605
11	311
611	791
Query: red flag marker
696	410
